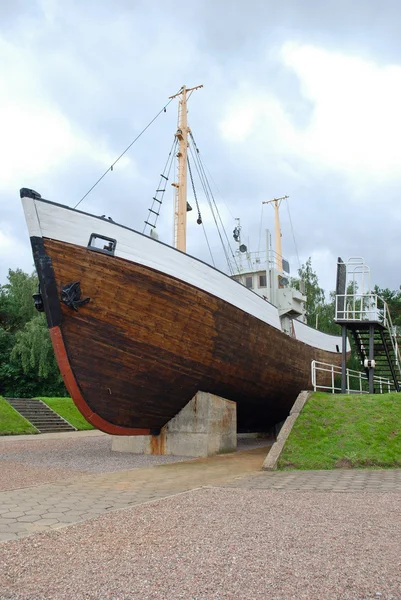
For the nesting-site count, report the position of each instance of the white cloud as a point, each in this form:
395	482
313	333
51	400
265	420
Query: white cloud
35	136
354	123
14	253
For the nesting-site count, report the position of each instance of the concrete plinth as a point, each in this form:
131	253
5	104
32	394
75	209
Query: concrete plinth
207	425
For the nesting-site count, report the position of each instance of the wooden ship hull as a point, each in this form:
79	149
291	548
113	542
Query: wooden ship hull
148	326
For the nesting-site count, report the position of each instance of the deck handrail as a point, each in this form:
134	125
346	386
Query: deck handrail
334	370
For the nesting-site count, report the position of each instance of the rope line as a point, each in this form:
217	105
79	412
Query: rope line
293	235
260	227
164	176
212	203
202	168
126	150
206	192
200	220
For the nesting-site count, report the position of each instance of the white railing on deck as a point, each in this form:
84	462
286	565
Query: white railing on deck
382	384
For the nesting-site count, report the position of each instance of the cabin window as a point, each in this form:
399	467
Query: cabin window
248	282
262	281
101	243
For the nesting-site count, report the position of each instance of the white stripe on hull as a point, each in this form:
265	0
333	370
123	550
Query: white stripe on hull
59	223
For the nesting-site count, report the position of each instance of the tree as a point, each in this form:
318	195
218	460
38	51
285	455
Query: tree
313	292
27	363
325	315
16	305
393	300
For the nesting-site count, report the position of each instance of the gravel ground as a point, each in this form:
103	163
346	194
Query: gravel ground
25	463
218	543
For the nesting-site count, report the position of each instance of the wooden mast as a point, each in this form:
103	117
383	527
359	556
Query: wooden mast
279	254
180	206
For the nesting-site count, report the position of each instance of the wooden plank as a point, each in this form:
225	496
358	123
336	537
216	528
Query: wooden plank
147	342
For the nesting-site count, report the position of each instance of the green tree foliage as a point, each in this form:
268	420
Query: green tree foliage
27	363
393	300
16	305
33	348
313	292
325	314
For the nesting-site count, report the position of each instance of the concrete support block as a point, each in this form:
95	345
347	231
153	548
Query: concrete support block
271	460
207	425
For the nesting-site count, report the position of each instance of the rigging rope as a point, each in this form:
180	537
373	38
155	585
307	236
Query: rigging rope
193	188
164	176
126	150
293	235
208	199
220	194
212	202
199	221
260	227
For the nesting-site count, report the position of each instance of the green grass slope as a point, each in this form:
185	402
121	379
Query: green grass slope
11	422
339	431
66	408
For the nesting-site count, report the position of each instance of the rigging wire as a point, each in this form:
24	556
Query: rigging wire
194	191
207	194
260	227
202	170
293	235
215	209
126	150
200	221
164	176
220	194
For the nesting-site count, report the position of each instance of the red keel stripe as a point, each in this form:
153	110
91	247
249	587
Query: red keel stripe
72	386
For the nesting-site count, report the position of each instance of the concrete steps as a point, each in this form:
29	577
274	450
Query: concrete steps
40	415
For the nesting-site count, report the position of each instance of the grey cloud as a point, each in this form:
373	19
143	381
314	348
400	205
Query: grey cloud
109	67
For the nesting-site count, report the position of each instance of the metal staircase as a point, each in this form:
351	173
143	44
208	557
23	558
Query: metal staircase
385	351
367	318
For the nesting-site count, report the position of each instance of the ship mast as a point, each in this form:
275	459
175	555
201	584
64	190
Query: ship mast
180	205
279	254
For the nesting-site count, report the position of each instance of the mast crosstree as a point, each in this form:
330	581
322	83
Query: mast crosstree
180	204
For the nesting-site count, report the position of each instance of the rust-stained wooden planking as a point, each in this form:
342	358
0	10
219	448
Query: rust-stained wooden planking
146	343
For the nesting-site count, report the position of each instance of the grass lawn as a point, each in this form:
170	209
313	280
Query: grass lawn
339	431
66	408
11	422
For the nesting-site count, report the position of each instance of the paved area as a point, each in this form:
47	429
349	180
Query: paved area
84	492
330	481
218	543
199	529
52	505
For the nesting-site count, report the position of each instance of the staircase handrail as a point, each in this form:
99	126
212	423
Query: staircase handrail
368	307
388	324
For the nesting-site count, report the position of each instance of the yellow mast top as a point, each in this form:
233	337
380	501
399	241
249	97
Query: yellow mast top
180	205
279	254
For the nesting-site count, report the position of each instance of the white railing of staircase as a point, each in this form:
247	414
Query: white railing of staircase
382	384
360	307
393	337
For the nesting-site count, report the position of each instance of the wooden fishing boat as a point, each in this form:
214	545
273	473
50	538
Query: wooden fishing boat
138	327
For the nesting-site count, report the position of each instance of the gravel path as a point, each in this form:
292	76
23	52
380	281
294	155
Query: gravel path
26	463
33	462
218	543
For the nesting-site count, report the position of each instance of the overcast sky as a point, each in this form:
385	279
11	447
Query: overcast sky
300	98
